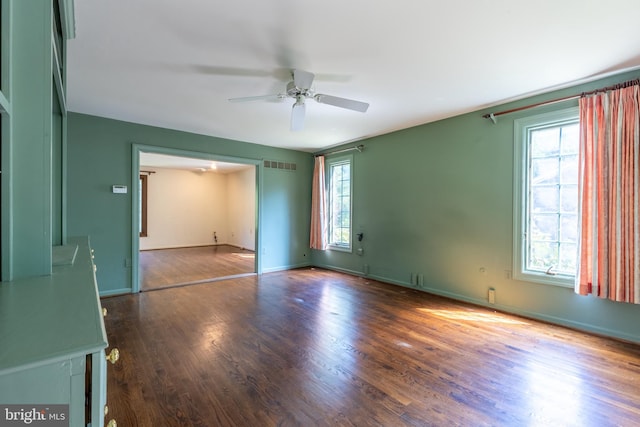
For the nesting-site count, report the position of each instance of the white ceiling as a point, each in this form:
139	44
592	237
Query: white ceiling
175	64
155	160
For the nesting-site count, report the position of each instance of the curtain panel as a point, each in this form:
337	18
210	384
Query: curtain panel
318	234
609	188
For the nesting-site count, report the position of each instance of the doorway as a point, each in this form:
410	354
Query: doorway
196	218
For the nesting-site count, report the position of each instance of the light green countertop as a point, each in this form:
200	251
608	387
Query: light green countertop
49	318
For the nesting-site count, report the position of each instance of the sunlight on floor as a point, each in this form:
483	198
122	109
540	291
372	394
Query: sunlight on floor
553	395
241	255
212	336
471	316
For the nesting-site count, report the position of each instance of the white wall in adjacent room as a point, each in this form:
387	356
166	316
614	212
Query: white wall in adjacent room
242	208
185	208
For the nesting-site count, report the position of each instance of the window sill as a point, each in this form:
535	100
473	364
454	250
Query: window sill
339	248
562	281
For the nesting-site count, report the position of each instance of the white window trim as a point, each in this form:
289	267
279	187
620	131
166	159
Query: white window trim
521	129
329	163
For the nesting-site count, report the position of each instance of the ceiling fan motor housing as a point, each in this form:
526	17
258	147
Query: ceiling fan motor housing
293	91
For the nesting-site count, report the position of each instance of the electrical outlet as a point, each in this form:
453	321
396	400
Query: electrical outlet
492	296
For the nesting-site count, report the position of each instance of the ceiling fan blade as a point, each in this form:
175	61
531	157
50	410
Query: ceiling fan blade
349	104
303	79
297	115
229	71
258	98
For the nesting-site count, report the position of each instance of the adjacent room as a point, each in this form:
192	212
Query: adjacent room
285	213
196	220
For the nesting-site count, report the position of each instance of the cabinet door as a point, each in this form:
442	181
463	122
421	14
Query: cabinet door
39	385
49	384
98	388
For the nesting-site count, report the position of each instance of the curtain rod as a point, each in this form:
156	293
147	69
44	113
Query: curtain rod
493	116
357	147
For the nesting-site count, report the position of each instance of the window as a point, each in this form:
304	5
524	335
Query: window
546	198
142	213
340	190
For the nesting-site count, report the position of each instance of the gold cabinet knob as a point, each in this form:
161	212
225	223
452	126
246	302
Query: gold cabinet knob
104	311
112	423
106	410
113	356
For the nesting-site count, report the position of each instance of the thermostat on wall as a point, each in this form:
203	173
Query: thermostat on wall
119	189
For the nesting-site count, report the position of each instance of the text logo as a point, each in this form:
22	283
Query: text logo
34	415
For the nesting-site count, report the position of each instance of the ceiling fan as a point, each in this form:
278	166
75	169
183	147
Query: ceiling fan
300	90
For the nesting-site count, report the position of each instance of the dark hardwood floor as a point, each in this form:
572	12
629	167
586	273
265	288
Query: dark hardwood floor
175	267
310	347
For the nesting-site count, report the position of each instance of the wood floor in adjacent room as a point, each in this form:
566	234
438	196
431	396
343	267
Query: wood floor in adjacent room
310	347
163	268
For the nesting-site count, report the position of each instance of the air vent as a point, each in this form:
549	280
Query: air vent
272	164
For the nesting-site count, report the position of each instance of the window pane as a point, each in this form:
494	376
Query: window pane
544	199
553	199
545	142
570	139
543	255
569	169
569	228
568	259
544	227
545	171
569	199
140	205
340	204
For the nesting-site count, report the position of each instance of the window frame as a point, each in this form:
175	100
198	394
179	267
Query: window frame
522	128
143	204
329	164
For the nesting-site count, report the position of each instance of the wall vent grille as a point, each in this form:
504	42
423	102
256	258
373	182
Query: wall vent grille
272	164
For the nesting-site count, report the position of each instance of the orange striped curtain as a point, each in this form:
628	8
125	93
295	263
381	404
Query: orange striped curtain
609	253
318	235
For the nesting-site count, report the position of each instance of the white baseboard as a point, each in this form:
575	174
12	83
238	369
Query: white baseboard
285	267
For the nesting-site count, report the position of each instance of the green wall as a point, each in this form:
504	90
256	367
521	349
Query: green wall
434	200
437	200
99	154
